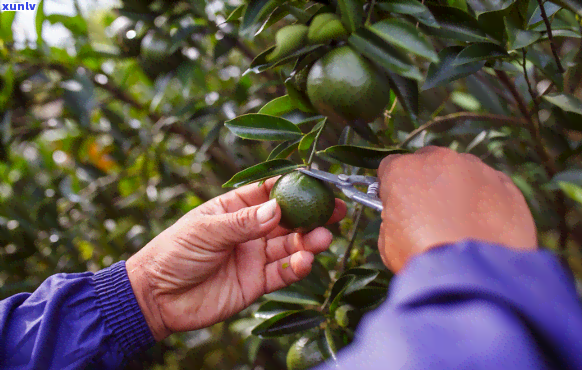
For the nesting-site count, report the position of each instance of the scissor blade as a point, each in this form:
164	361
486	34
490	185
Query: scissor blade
322	175
363	198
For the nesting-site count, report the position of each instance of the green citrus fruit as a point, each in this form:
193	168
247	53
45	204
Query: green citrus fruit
305	353
305	202
347	88
289	39
325	27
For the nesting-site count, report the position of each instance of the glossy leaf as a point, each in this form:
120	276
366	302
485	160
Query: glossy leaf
299	99
445	71
273	308
518	38
256	126
406	90
288	323
351	13
294	295
261	64
571	190
236	14
411	7
278	106
6	21
406	36
567	102
573	5
536	16
338	290
359	156
254	12
573	176
379	51
478	52
456	24
362	278
308	140
284	150
261	171
39	20
366	297
485	6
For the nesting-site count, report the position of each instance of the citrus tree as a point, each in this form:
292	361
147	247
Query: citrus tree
153	108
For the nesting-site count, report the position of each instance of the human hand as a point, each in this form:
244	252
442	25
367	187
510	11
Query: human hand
219	258
437	196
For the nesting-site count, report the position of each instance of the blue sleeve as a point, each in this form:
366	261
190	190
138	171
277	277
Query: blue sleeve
74	321
472	306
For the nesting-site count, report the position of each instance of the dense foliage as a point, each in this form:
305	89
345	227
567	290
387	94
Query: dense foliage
153	107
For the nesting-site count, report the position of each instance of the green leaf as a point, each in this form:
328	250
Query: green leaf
256	126
261	64
410	7
288	323
518	38
567	102
261	171
254	12
338	290
367	297
571	190
479	51
536	16
574	5
379	51
272	308
278	106
6	20
236	14
359	156
308	140
445	72
547	64
406	36
351	13
362	278
299	99
485	6
293	294
406	90
39	20
6	85
456	24
77	24
284	150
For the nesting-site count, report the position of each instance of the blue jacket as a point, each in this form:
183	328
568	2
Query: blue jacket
464	306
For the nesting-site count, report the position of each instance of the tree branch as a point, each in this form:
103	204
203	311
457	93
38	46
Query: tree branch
499	120
547	161
551	37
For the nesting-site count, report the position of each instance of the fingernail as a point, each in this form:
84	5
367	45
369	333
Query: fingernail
267	211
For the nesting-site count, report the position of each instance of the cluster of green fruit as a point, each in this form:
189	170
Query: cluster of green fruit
340	84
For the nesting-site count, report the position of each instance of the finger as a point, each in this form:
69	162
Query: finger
429	149
315	242
242	226
386	163
246	196
339	212
472	158
286	271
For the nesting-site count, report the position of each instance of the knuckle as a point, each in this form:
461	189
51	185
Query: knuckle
244	220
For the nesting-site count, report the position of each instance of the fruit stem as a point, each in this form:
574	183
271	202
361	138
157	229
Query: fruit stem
354	233
315	144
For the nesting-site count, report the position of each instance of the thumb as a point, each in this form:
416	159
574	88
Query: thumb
246	224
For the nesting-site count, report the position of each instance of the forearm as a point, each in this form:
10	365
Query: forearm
473	306
73	320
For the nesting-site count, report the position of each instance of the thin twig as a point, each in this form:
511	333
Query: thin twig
455	117
346	256
551	37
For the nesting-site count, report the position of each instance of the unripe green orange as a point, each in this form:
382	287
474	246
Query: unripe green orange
325	27
347	88
305	202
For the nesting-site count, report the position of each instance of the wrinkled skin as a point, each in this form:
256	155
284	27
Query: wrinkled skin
437	196
219	258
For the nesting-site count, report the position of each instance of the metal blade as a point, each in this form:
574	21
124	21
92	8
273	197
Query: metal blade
322	175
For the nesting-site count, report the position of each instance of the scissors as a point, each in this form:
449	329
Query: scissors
346	184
